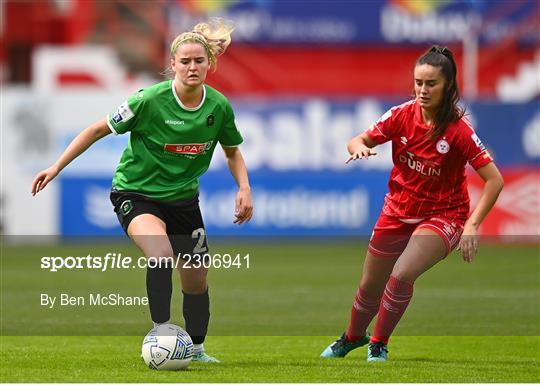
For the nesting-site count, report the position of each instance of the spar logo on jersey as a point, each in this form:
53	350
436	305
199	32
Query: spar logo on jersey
478	142
189	148
122	114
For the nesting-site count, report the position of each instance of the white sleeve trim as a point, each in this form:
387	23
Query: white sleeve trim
477	155
110	126
233	146
378	129
474	157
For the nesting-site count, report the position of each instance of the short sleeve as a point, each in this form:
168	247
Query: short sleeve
381	131
229	135
476	153
125	116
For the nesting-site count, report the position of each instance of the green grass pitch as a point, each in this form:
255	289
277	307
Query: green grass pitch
476	322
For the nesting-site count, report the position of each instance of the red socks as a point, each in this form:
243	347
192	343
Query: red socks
395	300
365	306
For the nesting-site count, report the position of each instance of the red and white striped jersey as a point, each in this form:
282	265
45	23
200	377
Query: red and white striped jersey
428	178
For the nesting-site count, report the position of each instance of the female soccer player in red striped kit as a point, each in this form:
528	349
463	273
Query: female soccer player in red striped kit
425	213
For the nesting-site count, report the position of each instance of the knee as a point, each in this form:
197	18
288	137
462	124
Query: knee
195	282
194	287
372	284
161	256
404	275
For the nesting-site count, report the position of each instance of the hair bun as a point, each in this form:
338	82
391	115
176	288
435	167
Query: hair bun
217	32
215	36
440	50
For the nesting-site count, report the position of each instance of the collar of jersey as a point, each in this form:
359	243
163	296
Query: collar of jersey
182	104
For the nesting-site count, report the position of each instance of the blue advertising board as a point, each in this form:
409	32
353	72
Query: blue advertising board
295	203
295	152
367	21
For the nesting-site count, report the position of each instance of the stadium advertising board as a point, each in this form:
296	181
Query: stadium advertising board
295	151
301	186
381	22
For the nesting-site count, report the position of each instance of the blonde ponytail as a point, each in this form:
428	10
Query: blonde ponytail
214	36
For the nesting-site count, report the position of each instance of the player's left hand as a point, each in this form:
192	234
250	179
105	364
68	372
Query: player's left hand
243	210
468	245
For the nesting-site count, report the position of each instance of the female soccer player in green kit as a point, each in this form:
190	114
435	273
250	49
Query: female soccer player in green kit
174	128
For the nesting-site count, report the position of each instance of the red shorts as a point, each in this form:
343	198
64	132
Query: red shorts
391	235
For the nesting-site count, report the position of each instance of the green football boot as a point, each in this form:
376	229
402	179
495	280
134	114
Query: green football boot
342	346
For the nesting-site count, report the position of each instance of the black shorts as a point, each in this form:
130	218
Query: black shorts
183	219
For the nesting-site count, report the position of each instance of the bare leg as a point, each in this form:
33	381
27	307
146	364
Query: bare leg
193	278
424	250
196	304
149	234
375	273
368	296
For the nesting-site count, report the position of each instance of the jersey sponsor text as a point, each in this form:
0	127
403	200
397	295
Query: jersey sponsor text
419	166
189	148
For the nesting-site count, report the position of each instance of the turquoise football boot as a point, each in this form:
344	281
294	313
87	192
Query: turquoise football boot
341	347
377	351
203	357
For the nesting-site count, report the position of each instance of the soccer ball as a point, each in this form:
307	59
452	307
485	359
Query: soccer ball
167	347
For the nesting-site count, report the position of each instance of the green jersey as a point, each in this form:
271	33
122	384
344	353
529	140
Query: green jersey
170	145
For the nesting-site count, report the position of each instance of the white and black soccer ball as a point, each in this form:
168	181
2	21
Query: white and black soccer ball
167	347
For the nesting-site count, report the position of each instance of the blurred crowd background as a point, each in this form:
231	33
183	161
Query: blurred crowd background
303	77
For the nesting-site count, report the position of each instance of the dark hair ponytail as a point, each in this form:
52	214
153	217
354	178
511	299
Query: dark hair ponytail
449	111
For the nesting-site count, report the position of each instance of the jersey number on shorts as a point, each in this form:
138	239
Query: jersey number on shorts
199	247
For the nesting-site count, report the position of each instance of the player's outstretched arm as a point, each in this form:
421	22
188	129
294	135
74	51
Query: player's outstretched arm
493	184
77	146
360	146
243	205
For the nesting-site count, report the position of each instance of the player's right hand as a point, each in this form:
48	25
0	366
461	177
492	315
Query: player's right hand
244	206
43	178
362	152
